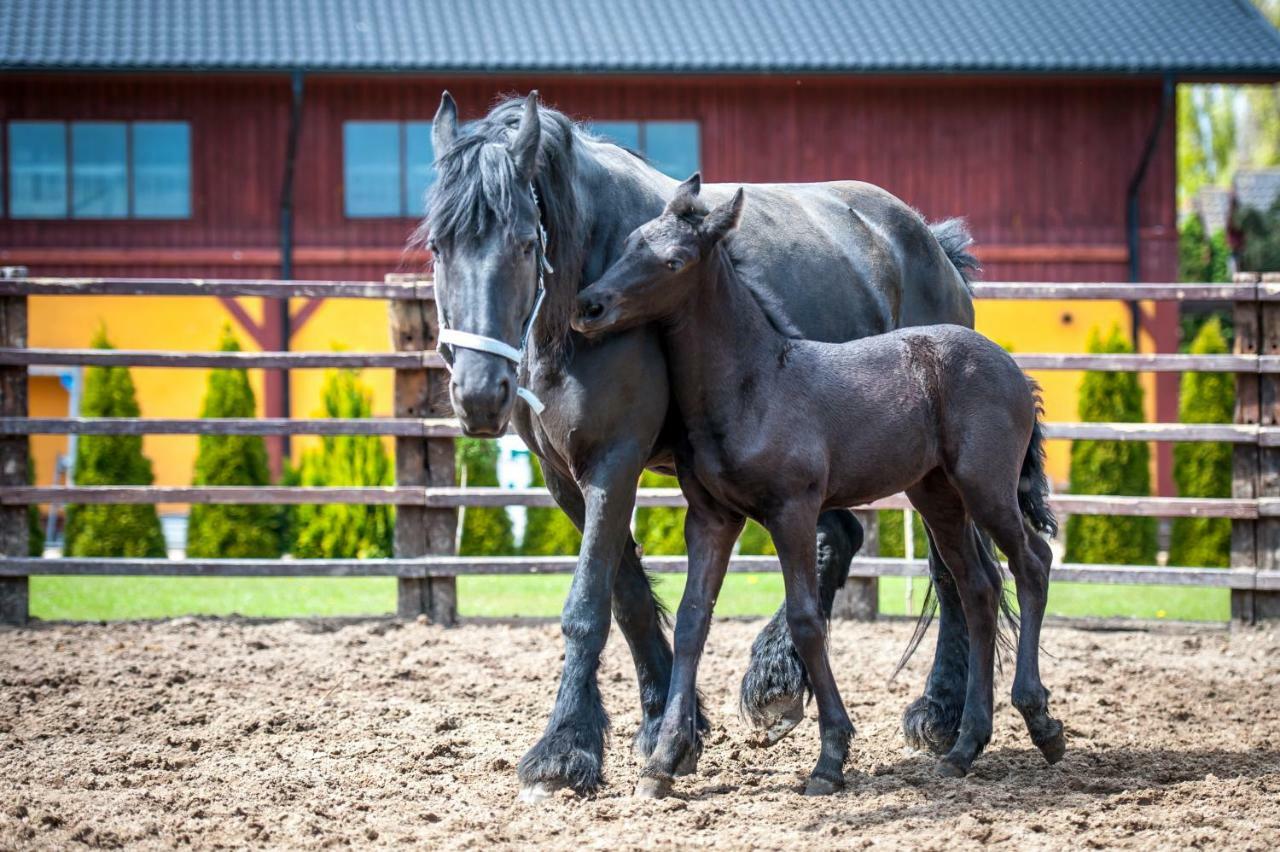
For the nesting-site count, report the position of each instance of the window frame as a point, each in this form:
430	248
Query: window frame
642	135
130	173
402	176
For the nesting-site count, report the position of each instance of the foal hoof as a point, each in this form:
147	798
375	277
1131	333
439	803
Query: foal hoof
688	764
539	791
818	785
653	787
1053	747
786	714
946	769
927	726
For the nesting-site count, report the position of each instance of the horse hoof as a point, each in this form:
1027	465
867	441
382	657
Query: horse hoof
538	791
688	764
818	785
946	769
927	727
1054	747
652	787
786	713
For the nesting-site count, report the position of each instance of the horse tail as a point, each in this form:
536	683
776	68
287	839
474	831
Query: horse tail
954	237
1033	484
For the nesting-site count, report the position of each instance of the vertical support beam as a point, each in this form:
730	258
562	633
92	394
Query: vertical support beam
1265	605
13	457
859	600
1246	458
422	461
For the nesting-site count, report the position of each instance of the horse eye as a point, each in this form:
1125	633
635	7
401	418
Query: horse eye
674	265
433	248
528	247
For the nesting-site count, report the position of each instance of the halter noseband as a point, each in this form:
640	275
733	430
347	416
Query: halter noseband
494	346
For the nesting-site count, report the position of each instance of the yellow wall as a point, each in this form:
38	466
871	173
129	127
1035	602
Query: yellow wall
193	323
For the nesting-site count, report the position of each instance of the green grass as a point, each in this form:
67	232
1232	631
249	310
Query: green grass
116	598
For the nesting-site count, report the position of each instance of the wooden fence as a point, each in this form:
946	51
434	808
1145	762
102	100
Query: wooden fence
427	500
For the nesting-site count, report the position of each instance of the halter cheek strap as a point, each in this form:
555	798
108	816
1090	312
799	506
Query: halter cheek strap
492	345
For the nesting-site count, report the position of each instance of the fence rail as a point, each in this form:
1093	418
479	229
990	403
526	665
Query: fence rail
428	502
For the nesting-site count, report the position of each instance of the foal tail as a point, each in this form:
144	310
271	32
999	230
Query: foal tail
1033	484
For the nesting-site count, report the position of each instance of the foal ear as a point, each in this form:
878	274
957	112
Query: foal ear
723	219
685	201
524	147
444	127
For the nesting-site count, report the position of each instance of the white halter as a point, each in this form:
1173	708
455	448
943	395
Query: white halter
481	343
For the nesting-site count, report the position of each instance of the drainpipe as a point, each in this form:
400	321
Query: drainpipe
286	234
1132	215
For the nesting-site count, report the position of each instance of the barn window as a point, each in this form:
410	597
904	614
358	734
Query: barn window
671	146
387	167
99	170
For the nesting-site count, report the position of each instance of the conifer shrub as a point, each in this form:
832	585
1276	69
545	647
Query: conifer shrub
485	531
104	529
35	530
231	531
1111	467
547	530
1194	259
756	541
660	530
1203	469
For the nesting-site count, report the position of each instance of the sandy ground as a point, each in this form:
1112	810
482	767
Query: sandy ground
222	733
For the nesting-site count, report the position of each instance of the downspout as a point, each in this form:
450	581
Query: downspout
286	234
1132	217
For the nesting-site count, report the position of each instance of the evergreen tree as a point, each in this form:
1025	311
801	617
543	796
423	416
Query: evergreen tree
102	529
485	531
1111	467
660	531
891	539
35	530
1193	251
756	541
344	531
1203	469
547	530
1219	256
223	531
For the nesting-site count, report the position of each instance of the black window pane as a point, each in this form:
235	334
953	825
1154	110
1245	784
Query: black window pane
624	133
672	147
38	169
99	188
162	170
420	159
371	168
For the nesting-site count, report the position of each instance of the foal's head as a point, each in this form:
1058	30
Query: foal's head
659	266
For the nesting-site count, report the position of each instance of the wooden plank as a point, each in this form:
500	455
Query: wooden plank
14	529
213	426
1246	460
395	288
1265	604
1160	292
1144	363
225	360
428	567
211	494
1216	432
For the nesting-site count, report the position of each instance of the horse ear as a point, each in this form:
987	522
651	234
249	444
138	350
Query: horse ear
723	219
685	200
444	127
524	147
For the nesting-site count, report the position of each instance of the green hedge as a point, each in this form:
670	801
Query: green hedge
1194	259
485	532
891	541
547	530
223	531
112	530
35	530
660	531
1111	467
1203	469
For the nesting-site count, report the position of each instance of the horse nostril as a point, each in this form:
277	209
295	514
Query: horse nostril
595	310
504	387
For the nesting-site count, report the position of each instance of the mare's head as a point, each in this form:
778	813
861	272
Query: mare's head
660	264
482	228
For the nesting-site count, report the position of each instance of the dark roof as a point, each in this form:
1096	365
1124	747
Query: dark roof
1189	37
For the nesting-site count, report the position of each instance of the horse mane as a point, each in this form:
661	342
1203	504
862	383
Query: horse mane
477	188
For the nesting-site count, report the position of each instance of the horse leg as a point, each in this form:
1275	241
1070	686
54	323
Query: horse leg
639	616
571	749
932	721
1029	560
796	552
773	688
955	538
709	533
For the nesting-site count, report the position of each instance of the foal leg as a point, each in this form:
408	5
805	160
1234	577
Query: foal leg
774	685
979	592
710	533
571	749
1029	560
790	530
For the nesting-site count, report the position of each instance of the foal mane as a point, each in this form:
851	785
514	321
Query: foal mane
476	189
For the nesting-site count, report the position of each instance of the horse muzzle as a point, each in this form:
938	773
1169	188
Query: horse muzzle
593	314
483	392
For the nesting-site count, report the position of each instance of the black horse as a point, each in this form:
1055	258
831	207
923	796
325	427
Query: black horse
833	262
778	429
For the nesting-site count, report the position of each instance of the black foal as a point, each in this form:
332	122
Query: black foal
780	429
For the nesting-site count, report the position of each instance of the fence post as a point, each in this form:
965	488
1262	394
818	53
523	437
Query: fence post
13	451
1246	458
1265	605
859	600
420	531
